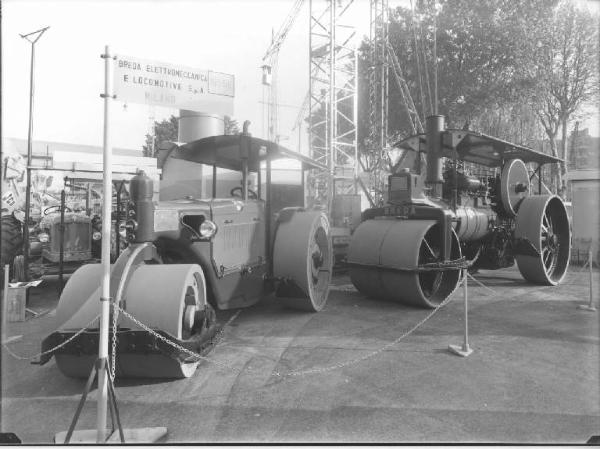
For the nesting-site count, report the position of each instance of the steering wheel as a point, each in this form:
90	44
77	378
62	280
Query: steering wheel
237	192
57	207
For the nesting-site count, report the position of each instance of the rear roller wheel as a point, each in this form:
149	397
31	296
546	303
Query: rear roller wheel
302	259
170	299
384	255
543	222
79	303
82	285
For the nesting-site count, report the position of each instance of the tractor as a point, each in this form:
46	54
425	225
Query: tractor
13	201
202	246
60	238
474	211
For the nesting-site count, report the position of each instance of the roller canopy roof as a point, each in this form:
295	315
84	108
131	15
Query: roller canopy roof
229	151
478	148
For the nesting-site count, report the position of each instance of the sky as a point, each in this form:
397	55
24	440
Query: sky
228	36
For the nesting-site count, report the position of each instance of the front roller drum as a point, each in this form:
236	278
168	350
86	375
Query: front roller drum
302	260
169	299
385	257
543	224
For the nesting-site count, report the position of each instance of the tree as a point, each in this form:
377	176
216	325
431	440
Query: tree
565	69
167	130
482	48
231	126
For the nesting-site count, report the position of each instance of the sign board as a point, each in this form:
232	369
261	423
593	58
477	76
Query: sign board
150	82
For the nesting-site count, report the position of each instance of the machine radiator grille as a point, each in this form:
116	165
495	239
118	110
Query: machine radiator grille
238	236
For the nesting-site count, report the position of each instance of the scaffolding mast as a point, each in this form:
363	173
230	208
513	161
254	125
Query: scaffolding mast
374	158
376	162
332	102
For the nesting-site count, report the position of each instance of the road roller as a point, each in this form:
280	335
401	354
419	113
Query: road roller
210	242
458	199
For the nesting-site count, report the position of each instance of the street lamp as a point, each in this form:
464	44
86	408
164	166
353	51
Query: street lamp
32	38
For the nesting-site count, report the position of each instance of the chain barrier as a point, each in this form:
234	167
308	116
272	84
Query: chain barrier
113	361
371	354
481	284
293	373
60	345
221	331
168	341
117	310
585	266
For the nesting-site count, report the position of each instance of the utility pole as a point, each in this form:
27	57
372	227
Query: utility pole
32	38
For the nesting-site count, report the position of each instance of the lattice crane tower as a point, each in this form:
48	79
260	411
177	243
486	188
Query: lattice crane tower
377	143
332	101
270	69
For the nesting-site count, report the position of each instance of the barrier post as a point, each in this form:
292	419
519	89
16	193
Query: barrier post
4	309
464	350
590	306
107	401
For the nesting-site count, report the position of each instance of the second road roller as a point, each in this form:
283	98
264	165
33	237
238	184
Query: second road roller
459	199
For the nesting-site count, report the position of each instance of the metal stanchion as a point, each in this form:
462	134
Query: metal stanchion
590	306
4	308
107	401
61	259
464	350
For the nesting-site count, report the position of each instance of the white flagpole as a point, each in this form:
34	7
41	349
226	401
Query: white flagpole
141	435
106	228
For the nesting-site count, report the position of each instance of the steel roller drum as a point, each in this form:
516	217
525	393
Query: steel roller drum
79	303
163	297
302	252
514	185
383	252
82	289
79	300
543	221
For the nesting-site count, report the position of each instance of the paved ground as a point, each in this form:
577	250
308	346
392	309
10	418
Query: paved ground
533	376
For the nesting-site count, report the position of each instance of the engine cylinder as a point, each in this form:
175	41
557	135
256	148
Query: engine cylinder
473	224
141	190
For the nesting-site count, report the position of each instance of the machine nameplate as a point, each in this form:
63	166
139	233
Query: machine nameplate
151	82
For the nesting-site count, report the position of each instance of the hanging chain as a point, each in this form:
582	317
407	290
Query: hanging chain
113	361
168	341
70	339
293	373
117	309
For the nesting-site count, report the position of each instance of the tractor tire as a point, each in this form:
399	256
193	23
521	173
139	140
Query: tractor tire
12	242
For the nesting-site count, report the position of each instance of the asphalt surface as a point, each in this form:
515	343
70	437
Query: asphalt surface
533	376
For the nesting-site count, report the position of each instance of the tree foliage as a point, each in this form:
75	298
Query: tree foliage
565	70
165	130
515	69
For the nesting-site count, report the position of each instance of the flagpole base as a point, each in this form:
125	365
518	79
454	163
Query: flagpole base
463	351
132	436
587	307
